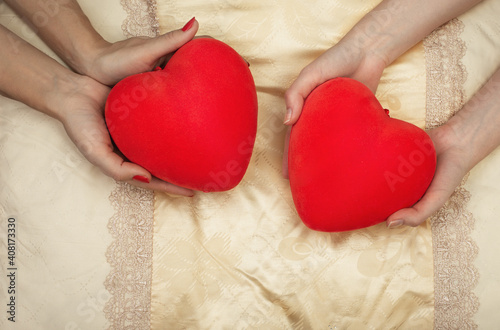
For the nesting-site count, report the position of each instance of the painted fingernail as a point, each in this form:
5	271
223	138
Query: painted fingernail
395	224
288	116
188	25
141	178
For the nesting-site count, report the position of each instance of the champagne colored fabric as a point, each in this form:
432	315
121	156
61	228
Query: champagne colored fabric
242	258
61	206
482	37
239	259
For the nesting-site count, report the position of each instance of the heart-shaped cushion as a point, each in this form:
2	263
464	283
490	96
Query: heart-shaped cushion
194	122
350	164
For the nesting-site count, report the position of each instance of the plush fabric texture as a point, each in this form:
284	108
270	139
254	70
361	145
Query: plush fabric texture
193	123
350	164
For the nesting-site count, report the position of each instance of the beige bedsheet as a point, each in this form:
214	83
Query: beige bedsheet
91	253
243	258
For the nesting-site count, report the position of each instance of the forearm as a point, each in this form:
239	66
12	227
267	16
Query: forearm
394	26
64	27
476	125
29	76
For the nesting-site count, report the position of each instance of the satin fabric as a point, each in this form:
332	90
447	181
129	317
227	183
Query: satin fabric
482	37
242	259
60	202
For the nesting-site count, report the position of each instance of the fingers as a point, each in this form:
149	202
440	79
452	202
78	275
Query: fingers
171	41
447	177
421	211
307	80
285	154
114	166
294	100
160	185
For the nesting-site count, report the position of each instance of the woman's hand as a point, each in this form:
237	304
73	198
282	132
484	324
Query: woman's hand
343	60
384	34
452	165
460	144
82	117
70	34
380	37
37	80
110	62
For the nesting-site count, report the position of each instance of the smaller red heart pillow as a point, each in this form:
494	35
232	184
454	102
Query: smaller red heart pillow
350	165
193	123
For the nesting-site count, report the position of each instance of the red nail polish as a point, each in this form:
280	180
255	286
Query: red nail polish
141	178
188	25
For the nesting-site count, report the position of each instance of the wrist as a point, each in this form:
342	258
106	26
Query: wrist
84	55
71	92
60	88
377	35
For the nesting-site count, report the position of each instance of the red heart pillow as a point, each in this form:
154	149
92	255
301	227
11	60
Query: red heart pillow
350	164
192	124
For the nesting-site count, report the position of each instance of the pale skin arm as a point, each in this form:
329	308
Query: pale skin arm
461	143
389	30
68	32
377	40
78	100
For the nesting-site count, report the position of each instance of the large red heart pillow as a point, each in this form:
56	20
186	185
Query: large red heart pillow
194	122
350	164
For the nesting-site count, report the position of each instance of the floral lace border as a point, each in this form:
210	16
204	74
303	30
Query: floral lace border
130	255
141	18
455	275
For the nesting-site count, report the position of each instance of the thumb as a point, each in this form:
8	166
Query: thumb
413	216
171	41
308	79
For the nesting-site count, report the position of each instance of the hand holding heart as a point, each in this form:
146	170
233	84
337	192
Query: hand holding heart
84	120
109	63
368	69
352	58
194	122
350	164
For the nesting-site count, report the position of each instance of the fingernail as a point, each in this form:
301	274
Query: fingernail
395	224
141	178
188	25
288	116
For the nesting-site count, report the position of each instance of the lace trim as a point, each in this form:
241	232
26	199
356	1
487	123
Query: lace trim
130	256
141	18
455	275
